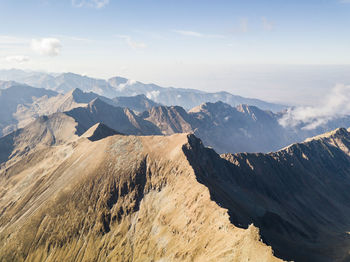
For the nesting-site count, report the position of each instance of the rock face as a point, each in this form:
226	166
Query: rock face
298	196
121	198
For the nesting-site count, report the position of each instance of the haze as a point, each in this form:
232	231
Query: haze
291	52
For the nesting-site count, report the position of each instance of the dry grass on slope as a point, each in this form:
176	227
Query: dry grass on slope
122	198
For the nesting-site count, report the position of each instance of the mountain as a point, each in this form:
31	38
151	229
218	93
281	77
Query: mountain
119	86
138	103
45	131
298	197
23	104
245	128
233	129
121	198
99	131
170	120
160	197
13	96
120	119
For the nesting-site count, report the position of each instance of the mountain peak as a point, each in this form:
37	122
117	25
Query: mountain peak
99	131
337	133
210	106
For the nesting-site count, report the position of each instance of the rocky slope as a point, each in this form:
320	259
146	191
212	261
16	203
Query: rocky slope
121	198
298	196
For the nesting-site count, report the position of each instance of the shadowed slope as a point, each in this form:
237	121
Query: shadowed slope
298	196
99	131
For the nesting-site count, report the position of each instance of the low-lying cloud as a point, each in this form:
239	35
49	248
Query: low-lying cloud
17	59
47	46
336	104
133	44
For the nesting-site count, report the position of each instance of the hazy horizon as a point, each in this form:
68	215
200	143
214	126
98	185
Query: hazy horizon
291	52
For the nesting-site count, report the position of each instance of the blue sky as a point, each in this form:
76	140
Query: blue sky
178	43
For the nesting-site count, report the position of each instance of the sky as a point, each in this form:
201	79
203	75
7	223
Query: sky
278	50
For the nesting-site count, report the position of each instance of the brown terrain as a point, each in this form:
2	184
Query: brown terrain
117	198
99	182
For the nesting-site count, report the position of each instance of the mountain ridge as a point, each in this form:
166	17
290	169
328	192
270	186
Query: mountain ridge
187	98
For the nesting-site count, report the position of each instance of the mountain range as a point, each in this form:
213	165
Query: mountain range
104	196
119	86
245	128
86	177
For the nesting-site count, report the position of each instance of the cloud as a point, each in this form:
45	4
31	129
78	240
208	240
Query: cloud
47	46
267	25
12	40
196	34
188	33
337	104
74	38
90	3
132	43
243	25
17	59
153	95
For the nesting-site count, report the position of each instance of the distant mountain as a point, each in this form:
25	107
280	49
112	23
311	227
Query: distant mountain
233	129
14	95
137	103
118	86
120	119
18	110
245	128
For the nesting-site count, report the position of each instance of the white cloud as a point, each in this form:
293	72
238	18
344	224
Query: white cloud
90	3
337	104
73	38
17	59
153	95
132	82
188	33
267	25
47	46
196	34
132	43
